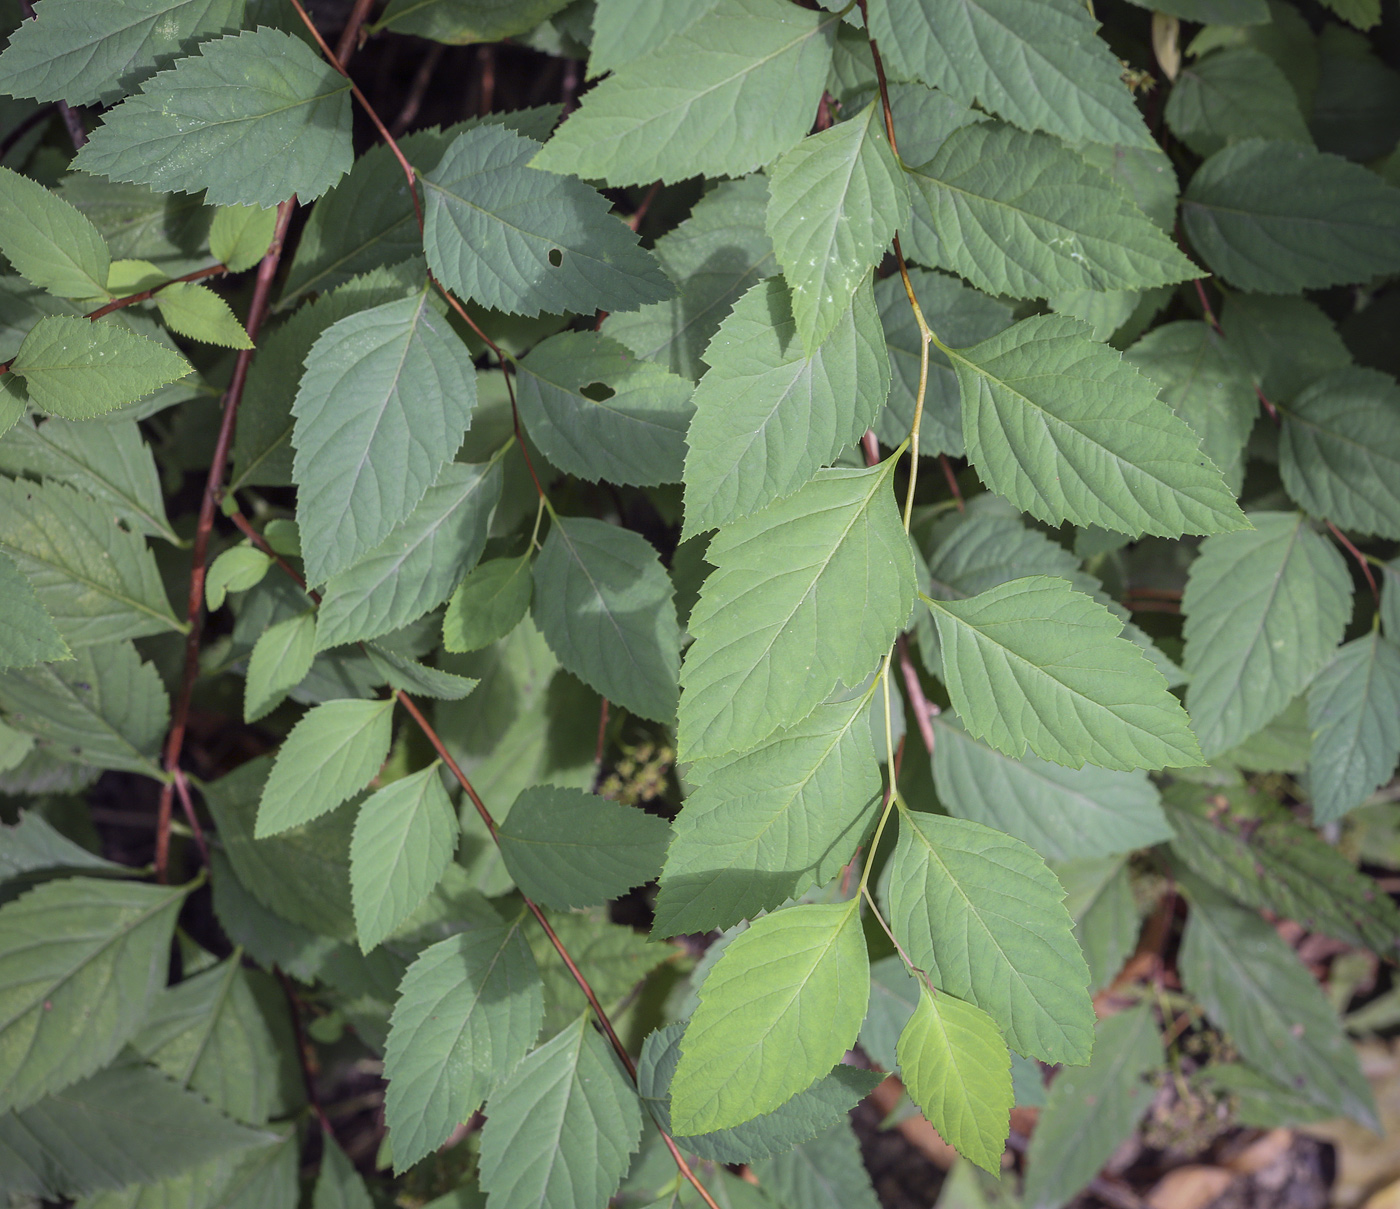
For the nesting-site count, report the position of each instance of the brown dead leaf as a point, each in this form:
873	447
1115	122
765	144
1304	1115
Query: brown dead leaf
1192	1187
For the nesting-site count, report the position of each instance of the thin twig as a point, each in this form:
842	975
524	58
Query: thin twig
1356	554
350	35
304	1052
952	481
182	787
41	114
418	89
640	212
1210	318
213	492
211	270
923	708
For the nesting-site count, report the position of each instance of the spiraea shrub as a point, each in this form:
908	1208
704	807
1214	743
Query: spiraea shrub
580	583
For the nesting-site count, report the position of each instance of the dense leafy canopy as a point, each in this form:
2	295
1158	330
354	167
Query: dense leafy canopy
575	575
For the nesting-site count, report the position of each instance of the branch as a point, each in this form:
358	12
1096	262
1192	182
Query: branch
213	492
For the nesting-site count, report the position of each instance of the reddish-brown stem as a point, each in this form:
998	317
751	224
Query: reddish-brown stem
641	211
350	35
211	270
923	709
486	95
1214	322
418	89
870	446
182	787
213	491
1356	554
602	734
952	481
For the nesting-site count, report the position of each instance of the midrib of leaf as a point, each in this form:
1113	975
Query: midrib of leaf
1359	448
1022	662
102	590
752	65
819	568
163	527
212	1020
795	787
1062	426
971	910
1272	594
309	285
267	113
821	951
1328	223
394	382
598	595
141	757
107	943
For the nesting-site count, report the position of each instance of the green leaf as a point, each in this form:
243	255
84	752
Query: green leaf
29	635
798	1120
97	1134
234	110
417	565
469	1009
826	1173
33	844
1339	454
1033	663
1043	68
212	1034
1022	214
766	415
625	30
1099	898
1361	13
516	239
1233	94
110	461
260	1177
1288	343
48	240
961	316
80	960
1354	715
1257	853
562	1128
684	109
597	412
777	1012
566	848
387	395
82	53
280	660
1060	426
714	257
983	917
103	707
1278	218
767	825
304	874
1062	813
330	755
1092	1111
410	676
955	1063
834	551
487	604
80	370
239	236
195	311
1264	612
837	199
604	604
1206	384
405	835
238	569
461	22
1254	987
262	448
338	1184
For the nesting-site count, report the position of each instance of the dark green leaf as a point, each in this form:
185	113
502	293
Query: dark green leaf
1354	716
29	635
488	604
